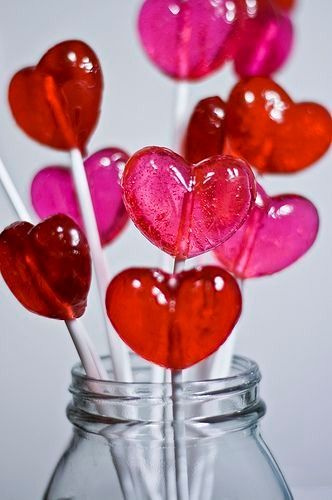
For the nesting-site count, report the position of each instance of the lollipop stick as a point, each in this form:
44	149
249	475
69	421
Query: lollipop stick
86	351
118	350
181	472
220	363
180	108
12	194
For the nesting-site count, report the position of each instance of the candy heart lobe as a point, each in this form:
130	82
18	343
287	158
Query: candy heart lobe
286	5
174	321
266	41
189	40
47	267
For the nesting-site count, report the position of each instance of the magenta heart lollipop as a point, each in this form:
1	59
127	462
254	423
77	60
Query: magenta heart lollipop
278	232
189	39
187	209
52	192
266	41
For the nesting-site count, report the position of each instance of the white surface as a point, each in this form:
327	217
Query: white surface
286	323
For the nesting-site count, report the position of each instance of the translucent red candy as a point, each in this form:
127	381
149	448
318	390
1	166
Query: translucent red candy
187	209
278	232
174	321
206	130
57	102
270	131
286	5
190	39
53	191
47	267
266	40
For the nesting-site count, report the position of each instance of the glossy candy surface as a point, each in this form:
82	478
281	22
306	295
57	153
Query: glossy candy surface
173	321
189	39
57	102
278	232
47	267
206	130
186	209
270	131
52	192
266	40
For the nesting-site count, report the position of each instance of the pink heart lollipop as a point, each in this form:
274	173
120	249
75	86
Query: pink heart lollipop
187	209
278	232
266	41
190	39
52	192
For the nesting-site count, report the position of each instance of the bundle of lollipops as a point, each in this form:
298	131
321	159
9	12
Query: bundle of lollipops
205	199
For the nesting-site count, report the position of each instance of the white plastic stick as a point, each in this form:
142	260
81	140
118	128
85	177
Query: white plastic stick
118	350
181	467
219	364
12	194
180	108
85	349
181	471
90	360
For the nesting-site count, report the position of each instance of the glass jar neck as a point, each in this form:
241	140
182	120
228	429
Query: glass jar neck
233	402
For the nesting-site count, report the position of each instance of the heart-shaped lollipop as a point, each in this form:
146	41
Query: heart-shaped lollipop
206	130
187	209
57	102
278	232
273	133
53	191
47	267
266	41
174	321
189	40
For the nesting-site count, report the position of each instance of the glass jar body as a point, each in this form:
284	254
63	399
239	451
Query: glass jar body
126	449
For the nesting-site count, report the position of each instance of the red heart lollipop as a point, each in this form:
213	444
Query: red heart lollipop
53	191
174	321
47	267
278	232
205	135
57	102
271	132
187	209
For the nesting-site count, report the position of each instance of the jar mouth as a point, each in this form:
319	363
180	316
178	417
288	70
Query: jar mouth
244	372
99	402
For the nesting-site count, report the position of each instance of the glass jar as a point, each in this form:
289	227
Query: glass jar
123	444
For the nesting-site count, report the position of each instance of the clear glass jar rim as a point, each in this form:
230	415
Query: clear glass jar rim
245	372
229	398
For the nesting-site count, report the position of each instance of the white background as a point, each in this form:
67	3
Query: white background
286	323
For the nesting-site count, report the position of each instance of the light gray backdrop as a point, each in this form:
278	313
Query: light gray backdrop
286	323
